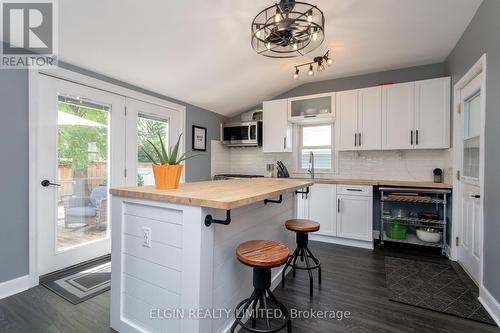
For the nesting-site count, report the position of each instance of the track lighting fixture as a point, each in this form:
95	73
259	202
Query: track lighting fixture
318	61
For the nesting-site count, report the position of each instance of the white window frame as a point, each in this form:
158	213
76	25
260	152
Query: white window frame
298	145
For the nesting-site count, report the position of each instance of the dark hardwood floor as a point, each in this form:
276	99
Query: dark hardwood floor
353	280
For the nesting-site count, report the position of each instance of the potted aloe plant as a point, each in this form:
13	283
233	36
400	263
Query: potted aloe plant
167	169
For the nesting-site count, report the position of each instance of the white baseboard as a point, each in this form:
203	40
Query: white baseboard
490	304
342	241
14	286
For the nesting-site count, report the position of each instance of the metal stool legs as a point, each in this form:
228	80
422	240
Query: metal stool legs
303	253
259	304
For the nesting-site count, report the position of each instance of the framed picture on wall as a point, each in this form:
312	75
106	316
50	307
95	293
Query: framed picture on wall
199	138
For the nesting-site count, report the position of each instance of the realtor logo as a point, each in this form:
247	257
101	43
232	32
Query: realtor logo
29	32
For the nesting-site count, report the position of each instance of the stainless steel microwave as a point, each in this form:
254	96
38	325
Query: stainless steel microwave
242	134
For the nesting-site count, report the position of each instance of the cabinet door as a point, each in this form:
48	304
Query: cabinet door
277	132
397	115
354	217
347	120
322	206
302	206
432	113
370	118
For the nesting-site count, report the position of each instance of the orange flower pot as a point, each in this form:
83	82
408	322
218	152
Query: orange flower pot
167	176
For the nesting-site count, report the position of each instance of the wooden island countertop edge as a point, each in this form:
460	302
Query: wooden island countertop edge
223	194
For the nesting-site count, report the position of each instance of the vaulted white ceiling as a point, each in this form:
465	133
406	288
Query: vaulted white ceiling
199	51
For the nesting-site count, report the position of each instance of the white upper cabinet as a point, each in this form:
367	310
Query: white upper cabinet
359	125
312	108
370	118
277	134
322	205
432	113
398	116
347	120
416	115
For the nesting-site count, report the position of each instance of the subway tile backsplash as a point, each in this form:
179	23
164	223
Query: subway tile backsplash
411	165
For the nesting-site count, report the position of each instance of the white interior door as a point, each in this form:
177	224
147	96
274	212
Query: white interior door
470	150
144	122
80	153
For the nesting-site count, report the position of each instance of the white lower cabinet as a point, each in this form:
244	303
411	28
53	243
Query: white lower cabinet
322	207
344	212
354	217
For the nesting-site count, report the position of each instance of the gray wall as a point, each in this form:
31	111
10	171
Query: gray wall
14	173
368	80
363	81
14	256
483	36
198	168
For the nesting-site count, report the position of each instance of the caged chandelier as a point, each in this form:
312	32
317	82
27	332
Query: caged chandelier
288	29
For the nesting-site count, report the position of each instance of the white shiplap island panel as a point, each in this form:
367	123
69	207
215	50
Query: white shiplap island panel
189	266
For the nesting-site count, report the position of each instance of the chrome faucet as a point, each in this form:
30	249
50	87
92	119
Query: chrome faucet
311	164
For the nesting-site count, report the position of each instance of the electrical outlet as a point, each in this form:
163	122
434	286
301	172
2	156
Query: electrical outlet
146	236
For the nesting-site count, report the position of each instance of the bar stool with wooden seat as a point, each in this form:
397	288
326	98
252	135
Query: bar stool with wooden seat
302	228
262	255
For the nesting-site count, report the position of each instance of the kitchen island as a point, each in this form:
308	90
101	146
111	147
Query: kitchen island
173	251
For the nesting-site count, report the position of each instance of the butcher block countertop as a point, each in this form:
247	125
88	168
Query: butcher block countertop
377	182
221	194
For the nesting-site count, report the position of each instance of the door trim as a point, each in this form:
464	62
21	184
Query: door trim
64	74
479	68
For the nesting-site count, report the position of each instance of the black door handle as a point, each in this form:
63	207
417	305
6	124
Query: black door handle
476	196
46	183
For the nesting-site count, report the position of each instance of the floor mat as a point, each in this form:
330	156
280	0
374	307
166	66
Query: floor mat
434	286
81	286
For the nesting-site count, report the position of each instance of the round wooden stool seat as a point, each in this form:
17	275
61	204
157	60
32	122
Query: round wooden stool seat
262	253
301	225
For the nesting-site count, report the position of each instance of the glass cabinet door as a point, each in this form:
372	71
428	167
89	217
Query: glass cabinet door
313	107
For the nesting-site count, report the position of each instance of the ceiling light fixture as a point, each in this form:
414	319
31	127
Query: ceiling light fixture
288	29
319	61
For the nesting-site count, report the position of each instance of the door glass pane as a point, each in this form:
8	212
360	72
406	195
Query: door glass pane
83	171
471	147
148	128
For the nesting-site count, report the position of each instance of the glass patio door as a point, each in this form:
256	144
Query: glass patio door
80	154
147	122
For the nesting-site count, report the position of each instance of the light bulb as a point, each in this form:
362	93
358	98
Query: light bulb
294	46
268	45
321	68
329	61
277	17
296	74
315	36
257	33
310	72
309	16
